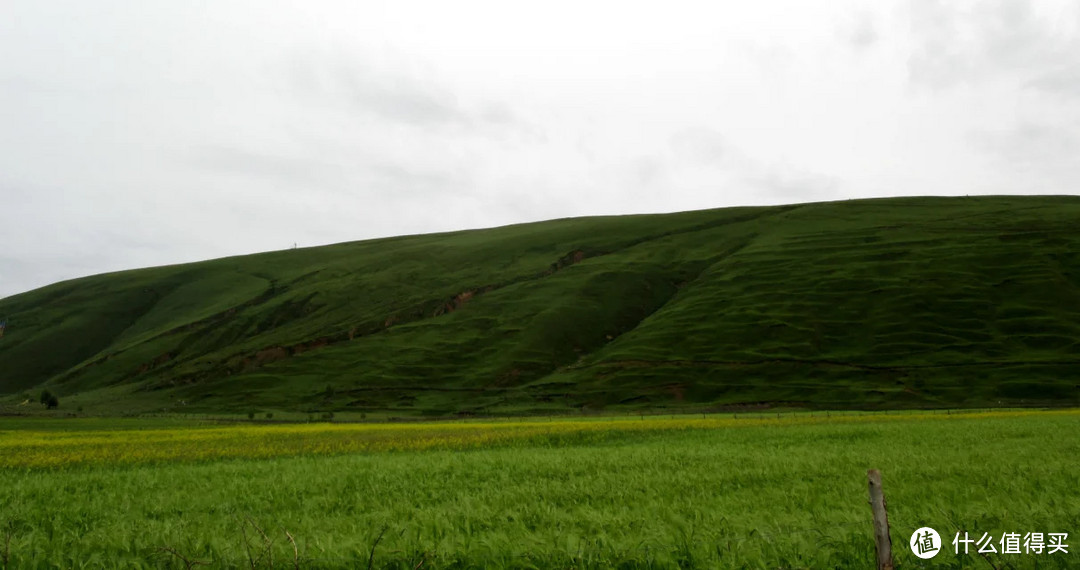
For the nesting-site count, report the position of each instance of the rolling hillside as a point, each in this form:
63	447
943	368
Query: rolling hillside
870	303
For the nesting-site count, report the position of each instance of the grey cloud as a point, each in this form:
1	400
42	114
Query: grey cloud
338	170
497	113
859	31
935	57
418	181
768	182
700	145
641	175
259	165
648	170
772	59
52	234
1046	149
1064	82
20	275
951	46
786	184
399	96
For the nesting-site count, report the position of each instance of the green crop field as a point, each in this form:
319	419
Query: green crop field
629	492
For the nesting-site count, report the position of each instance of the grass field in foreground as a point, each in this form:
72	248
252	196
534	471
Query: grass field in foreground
648	493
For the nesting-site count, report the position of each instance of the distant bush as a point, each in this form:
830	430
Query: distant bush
269	415
251	415
328	415
48	399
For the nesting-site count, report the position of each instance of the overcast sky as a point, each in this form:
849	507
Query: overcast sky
144	133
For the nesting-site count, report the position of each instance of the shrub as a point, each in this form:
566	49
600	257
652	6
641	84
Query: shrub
48	399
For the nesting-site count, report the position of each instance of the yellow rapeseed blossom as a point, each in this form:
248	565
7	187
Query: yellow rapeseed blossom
52	449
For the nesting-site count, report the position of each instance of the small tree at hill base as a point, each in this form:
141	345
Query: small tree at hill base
48	399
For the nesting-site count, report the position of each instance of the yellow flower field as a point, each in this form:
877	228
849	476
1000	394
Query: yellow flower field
52	448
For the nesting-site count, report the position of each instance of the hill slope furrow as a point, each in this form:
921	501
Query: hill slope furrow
253	359
194	327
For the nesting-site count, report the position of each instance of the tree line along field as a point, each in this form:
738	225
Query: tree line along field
676	492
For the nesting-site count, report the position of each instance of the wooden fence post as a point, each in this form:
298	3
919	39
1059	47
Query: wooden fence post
881	521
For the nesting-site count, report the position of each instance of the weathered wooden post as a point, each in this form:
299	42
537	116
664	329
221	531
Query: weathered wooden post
881	521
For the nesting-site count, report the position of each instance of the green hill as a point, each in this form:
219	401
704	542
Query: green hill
869	303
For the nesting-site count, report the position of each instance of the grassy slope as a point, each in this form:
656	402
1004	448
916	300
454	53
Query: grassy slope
865	303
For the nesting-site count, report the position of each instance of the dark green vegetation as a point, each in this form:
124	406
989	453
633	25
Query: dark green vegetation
870	303
791	494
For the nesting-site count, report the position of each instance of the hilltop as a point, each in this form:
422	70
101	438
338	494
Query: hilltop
880	303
